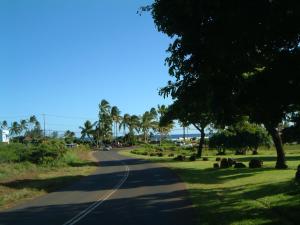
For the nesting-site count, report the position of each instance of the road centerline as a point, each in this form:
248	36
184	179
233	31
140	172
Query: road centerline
102	199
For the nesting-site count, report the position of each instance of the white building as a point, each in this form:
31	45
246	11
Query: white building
4	135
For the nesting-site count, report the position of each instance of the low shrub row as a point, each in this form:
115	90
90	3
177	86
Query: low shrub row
43	153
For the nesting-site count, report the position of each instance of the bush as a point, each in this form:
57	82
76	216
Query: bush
298	174
171	155
159	154
231	162
255	163
224	163
193	157
216	165
239	165
240	152
47	152
218	159
179	158
205	159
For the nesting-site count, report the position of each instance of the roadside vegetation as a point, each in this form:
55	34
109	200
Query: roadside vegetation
234	195
30	171
33	164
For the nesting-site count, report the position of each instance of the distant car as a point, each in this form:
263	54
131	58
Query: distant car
106	148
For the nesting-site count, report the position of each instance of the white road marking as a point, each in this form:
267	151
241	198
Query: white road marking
99	201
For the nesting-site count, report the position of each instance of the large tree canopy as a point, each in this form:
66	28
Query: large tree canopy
246	54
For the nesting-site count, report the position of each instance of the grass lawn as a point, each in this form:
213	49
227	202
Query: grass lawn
241	196
22	181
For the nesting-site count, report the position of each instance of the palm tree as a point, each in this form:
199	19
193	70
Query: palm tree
15	129
69	136
134	124
23	126
116	117
32	121
105	119
163	129
4	124
87	130
125	122
148	122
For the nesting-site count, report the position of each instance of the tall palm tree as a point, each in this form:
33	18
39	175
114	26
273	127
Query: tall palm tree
23	126
148	122
125	122
69	136
15	129
116	117
134	124
32	122
105	119
163	129
87	130
4	124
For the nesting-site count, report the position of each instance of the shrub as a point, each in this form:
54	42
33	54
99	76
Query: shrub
193	157
239	165
47	152
224	163
179	158
171	155
218	159
159	154
216	165
231	162
205	159
240	152
298	174
255	163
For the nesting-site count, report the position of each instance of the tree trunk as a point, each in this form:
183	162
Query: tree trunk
281	163
202	140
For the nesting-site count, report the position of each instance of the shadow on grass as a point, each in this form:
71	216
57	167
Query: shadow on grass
47	185
83	164
217	176
267	158
231	206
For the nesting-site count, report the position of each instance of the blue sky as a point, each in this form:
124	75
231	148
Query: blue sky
61	57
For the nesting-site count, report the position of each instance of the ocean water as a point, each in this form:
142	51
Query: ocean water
177	136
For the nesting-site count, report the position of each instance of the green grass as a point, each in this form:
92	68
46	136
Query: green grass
22	181
241	196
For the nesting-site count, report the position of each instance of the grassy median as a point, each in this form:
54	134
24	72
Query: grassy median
240	196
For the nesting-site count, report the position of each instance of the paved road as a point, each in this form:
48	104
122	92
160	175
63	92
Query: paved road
122	191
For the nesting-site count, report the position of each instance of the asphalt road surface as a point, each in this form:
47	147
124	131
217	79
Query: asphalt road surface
123	191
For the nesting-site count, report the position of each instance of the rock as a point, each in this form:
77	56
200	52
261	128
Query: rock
216	165
255	163
298	174
160	154
231	162
224	163
193	157
239	165
179	158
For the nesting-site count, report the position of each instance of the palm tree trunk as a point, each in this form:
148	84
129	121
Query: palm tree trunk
281	162
201	144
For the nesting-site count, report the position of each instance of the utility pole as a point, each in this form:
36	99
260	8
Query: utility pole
44	118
